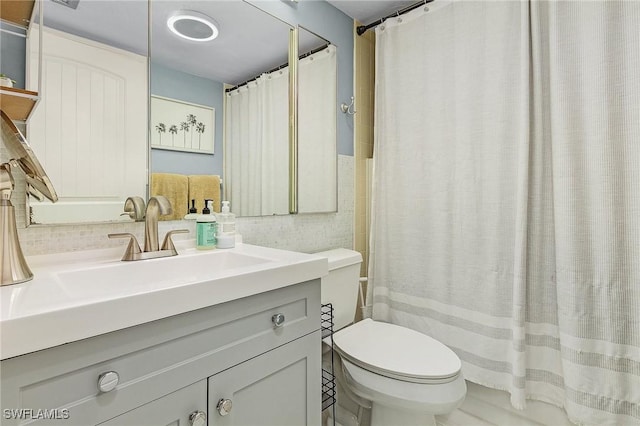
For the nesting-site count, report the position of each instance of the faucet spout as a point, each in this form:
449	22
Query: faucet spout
156	207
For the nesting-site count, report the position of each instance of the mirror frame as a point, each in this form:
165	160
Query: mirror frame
293	119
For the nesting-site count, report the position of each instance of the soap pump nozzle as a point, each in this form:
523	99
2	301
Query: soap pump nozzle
207	207
193	207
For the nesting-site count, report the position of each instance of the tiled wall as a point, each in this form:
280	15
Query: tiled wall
305	233
364	56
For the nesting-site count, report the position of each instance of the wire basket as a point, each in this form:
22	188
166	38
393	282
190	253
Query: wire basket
328	389
328	376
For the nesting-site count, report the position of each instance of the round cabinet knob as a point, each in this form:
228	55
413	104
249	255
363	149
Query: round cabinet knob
224	407
198	418
278	320
108	381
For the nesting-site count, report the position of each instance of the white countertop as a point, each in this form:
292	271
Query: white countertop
78	295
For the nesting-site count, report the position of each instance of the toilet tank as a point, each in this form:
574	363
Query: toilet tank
340	286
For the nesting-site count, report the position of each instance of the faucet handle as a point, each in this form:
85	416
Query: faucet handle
167	244
132	249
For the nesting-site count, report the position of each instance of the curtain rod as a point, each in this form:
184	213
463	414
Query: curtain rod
361	29
304	55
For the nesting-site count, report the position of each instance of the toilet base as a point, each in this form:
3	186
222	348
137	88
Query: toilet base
396	403
388	416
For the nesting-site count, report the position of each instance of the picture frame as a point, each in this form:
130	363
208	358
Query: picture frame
182	126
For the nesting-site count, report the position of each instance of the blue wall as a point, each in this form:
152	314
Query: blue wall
174	84
12	55
331	24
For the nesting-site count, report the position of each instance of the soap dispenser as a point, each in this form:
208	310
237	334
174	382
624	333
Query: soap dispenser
206	228
226	237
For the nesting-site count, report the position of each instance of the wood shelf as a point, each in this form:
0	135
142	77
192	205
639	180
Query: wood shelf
17	11
17	103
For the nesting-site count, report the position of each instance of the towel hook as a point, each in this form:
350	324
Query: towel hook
348	109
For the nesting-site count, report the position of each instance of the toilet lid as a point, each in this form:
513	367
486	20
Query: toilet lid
397	352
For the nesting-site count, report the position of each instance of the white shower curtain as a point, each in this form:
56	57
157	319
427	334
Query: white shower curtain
257	146
506	200
257	140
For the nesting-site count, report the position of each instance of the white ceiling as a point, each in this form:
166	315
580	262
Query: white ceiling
250	42
367	11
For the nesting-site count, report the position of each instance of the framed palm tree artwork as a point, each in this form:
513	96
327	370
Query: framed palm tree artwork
182	126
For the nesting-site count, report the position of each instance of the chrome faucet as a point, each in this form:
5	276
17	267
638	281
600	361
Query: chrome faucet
156	207
13	266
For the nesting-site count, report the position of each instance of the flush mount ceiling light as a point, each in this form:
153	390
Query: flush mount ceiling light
193	26
73	4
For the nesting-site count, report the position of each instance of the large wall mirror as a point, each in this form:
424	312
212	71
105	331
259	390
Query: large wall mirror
120	107
240	77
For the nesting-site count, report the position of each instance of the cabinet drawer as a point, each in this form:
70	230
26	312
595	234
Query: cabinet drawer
155	359
173	409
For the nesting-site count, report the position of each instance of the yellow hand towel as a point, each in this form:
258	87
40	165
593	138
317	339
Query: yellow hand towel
175	188
203	187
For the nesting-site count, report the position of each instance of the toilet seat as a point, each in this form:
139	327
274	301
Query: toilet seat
397	352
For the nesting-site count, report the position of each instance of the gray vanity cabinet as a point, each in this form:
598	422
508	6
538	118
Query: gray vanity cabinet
262	352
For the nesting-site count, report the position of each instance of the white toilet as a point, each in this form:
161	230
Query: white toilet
408	377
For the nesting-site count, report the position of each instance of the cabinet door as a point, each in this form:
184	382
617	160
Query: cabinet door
174	409
280	387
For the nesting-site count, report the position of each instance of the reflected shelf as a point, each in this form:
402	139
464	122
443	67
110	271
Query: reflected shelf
17	103
18	12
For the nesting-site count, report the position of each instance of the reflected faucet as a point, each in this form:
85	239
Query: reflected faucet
156	207
134	208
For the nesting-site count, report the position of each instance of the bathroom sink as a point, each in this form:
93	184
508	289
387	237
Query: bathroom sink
153	274
79	295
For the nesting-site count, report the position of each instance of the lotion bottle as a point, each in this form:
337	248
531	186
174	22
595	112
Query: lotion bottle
206	228
226	237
